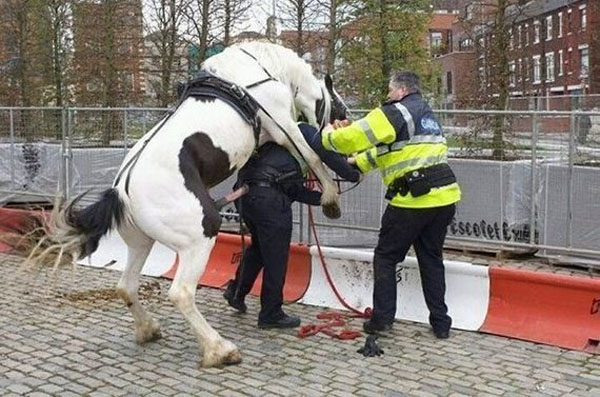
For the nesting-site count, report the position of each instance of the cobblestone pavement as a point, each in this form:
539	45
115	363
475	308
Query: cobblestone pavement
78	339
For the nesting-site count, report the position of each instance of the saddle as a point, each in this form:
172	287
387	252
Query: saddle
207	85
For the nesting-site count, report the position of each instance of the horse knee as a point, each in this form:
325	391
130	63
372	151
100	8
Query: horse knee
182	298
211	223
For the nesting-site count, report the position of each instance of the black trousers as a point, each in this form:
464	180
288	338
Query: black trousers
268	214
425	229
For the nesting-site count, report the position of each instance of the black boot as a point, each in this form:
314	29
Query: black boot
234	301
284	321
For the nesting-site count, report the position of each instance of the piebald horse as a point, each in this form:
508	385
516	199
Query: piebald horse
165	194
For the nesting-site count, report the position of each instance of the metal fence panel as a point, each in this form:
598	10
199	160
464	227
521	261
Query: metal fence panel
546	180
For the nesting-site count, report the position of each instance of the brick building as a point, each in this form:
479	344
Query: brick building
108	62
553	51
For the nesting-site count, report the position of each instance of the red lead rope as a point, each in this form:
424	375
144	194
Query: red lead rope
336	319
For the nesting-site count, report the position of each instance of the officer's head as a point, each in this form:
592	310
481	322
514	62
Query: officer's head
402	84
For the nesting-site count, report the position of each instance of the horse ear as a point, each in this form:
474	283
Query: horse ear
328	82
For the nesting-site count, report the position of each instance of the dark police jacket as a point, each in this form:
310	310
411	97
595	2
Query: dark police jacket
275	166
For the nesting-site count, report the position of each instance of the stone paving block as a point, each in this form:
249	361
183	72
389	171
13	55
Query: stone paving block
19	388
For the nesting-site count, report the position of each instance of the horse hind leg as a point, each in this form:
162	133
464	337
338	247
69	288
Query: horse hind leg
214	349
138	248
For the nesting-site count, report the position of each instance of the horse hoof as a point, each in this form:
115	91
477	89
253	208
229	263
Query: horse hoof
233	358
148	334
331	211
229	355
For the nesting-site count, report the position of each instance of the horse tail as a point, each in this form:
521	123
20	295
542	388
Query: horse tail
79	230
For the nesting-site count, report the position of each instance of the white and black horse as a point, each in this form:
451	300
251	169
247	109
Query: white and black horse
164	196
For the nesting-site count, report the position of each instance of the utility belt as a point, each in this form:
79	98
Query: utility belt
268	176
419	182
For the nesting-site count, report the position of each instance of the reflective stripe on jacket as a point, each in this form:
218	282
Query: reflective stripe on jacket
397	138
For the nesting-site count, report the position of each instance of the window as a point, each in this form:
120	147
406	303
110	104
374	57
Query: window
536	69
526	34
549	28
584	57
570	60
512	77
526	69
436	40
511	39
449	82
583	11
469	12
519	37
550	66
481	77
560	24
536	32
570	21
560	62
465	44
520	70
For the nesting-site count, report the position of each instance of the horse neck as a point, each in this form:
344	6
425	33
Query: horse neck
287	67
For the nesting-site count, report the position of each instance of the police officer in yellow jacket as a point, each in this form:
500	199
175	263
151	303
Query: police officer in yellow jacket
404	140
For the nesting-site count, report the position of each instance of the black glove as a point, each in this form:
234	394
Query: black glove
370	349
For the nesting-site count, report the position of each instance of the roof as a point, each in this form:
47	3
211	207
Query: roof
541	7
442	21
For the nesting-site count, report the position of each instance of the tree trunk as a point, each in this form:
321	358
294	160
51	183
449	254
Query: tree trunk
502	79
333	33
227	23
110	72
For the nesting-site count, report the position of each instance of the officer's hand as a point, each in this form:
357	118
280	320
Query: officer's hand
327	129
351	160
340	123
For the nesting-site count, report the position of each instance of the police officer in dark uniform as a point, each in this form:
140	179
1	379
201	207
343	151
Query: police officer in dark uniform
275	179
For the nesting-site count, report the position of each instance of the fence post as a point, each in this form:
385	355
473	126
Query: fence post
125	133
63	151
534	141
67	152
570	180
300	222
11	118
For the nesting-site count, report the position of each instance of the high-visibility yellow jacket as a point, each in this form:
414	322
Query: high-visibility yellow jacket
397	137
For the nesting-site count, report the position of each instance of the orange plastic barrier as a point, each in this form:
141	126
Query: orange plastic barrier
548	308
14	222
226	256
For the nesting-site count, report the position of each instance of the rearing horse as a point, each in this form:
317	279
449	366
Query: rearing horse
164	196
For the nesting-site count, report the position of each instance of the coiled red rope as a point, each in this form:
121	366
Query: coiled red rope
336	319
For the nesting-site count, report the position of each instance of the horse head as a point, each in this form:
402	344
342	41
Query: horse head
320	104
339	109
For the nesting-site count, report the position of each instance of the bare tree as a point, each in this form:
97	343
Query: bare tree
17	19
231	13
338	14
300	16
199	21
490	24
58	15
164	20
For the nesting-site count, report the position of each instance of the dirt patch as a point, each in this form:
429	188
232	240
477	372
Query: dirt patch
147	291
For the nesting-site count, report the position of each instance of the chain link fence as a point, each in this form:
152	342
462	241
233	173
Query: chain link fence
530	179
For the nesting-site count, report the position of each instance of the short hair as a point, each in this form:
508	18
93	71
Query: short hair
406	79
